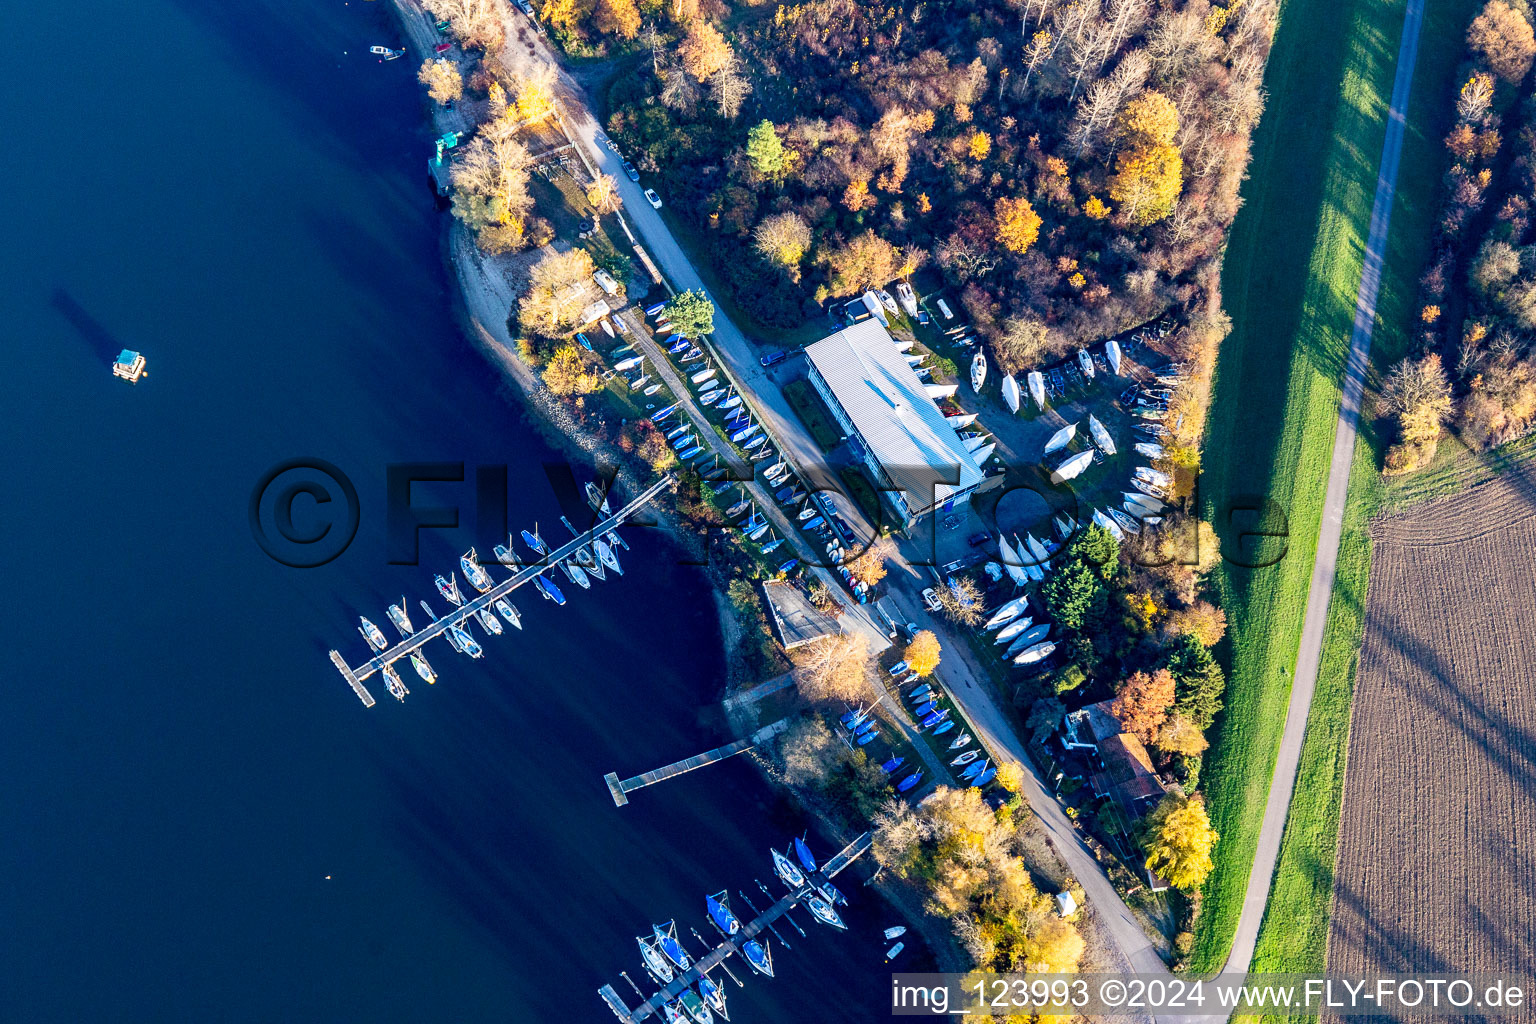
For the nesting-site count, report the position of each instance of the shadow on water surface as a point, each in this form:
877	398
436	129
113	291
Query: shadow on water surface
103	343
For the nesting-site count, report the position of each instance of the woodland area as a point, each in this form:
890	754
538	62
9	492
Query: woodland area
1477	314
1069	169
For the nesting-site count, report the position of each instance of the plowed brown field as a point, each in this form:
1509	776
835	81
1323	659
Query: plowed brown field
1436	866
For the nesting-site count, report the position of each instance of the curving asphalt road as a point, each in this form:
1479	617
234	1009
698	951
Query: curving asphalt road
1283	784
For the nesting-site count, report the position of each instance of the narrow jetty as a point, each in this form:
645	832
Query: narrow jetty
749	930
524	575
619	789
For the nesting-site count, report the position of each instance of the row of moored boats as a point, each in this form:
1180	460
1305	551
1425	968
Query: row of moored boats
593	560
666	961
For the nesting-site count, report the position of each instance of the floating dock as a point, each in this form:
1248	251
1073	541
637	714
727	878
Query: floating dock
130	366
619	789
456	616
751	929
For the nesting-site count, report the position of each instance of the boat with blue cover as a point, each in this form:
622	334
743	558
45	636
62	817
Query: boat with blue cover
720	913
758	957
666	941
548	589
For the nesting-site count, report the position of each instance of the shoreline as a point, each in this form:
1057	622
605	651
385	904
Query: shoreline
481	306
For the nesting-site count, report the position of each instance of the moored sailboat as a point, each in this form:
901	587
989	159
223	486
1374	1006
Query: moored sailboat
395	683
373	634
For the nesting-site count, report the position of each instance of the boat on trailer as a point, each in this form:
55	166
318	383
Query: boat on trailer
1036	382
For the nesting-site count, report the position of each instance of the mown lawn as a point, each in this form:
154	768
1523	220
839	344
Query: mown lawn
1290	281
1294	933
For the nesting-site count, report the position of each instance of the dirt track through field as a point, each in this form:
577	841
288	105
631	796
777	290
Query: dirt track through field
1436	868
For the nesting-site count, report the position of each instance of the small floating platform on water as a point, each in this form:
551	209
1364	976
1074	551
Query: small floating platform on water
130	366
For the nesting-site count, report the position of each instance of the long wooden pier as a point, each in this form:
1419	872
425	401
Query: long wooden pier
619	789
456	616
749	930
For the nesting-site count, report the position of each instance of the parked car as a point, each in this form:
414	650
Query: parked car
931	600
525	7
976	540
629	169
652	198
774	358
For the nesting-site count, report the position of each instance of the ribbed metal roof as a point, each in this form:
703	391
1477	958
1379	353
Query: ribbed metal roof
895	417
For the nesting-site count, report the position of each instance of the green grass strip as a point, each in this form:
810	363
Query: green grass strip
1290	282
1294	933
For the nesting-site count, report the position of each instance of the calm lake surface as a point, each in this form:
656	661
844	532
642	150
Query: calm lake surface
238	191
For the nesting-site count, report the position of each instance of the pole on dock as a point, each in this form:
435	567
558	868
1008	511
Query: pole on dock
782	941
710	949
626	977
791	920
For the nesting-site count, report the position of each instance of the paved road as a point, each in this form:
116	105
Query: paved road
1310	654
967	686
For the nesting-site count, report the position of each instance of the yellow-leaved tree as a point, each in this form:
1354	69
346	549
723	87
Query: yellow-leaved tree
1149	172
704	50
1179	841
1018	225
869	568
1010	775
922	654
834	668
567	373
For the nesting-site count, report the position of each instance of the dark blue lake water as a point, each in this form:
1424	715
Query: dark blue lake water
237	190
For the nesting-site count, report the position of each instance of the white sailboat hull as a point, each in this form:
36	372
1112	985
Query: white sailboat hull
1011	393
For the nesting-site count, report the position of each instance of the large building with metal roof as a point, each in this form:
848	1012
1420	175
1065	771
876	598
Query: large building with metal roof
890	416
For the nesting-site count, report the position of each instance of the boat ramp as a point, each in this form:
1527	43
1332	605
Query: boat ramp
458	616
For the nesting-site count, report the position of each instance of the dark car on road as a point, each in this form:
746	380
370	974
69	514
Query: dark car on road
977	539
629	169
774	358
